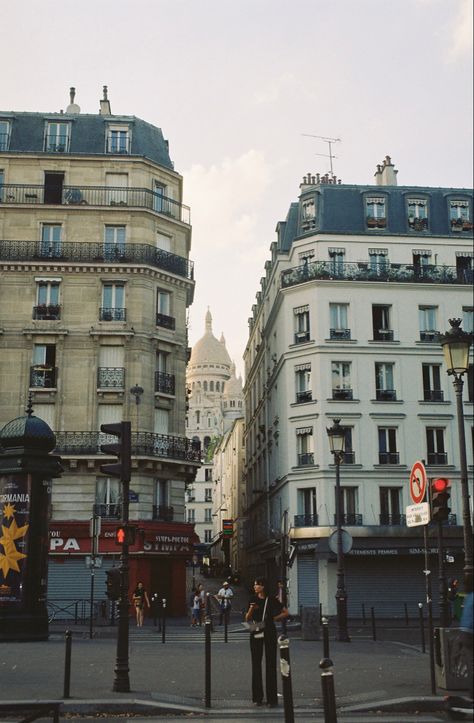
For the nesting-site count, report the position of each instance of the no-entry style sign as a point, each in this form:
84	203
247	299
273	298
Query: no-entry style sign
418	482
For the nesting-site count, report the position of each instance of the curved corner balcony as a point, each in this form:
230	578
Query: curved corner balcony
94	252
351	271
145	444
20	193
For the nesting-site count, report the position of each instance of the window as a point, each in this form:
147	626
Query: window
390	506
336	261
163	242
435	446
303	383
2	177
470	383
421	261
207	535
163	308
341	380
207	514
159	196
47	301
375	212
50	240
113	303
198	417
161	421
305	257
464	266
432	383
118	139
301	315
388	445
191	516
4	135
308	214
378	261
161	492
459	215
417	211
53	188
349	455
114	243
338	314
107	497
428	325
349	506
111	369
116	183
208	474
208	493
381	323
384	386
57	137
43	371
307	510
468	319
304	442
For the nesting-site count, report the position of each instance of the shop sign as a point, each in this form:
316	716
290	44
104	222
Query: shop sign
168	543
392	552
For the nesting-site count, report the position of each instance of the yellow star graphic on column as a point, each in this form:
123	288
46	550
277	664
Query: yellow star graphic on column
9	560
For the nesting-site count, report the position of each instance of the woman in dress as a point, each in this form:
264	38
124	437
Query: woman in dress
264	607
140	598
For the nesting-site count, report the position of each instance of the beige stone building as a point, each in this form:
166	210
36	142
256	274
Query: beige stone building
95	281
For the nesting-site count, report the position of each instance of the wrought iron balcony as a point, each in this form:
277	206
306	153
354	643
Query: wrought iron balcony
160	512
437	458
111	378
47	312
143	443
112	314
301	337
342	394
433	395
341	334
418	224
383	335
386	395
389	458
305	396
348	458
164	383
355	271
43	376
167	322
306	521
305	459
392	519
112	511
429	336
92	252
19	193
350	518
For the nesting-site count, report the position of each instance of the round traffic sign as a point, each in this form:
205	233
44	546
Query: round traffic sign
418	482
346	539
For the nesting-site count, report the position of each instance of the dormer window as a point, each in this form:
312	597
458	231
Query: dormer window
417	214
459	215
57	137
118	139
4	135
308	214
375	212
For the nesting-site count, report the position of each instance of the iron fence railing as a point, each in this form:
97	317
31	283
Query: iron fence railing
110	510
97	253
47	312
305	396
433	395
111	377
164	513
396	519
389	458
306	521
109	313
164	383
350	518
43	376
167	322
343	334
143	443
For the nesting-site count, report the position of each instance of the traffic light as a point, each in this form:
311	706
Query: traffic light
440	495
113	583
125	535
121	449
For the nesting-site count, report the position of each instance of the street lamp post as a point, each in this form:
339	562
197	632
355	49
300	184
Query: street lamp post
337	438
456	344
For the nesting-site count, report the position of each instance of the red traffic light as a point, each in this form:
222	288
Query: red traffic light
120	535
441	484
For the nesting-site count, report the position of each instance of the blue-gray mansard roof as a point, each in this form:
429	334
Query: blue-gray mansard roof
87	134
340	208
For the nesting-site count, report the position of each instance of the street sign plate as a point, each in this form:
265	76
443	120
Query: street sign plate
418	514
346	541
418	482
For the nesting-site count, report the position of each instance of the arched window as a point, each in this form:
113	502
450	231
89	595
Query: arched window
211	386
207	442
204	385
218	384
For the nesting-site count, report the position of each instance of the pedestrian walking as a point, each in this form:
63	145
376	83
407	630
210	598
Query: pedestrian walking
224	597
266	610
140	599
196	609
202	595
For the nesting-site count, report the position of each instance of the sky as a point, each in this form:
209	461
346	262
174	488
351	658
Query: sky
239	88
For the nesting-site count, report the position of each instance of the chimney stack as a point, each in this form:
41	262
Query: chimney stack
386	174
72	108
105	104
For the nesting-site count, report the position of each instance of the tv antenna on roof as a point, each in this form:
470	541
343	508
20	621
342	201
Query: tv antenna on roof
329	141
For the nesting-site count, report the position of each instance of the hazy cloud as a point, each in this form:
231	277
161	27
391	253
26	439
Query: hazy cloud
461	31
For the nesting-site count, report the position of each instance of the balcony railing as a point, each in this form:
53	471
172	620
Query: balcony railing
437	458
42	376
389	458
143	443
433	395
383	334
96	253
111	378
164	383
305	396
301	337
386	395
349	518
342	394
113	510
47	312
167	322
160	512
430	336
348	458
418	224
342	334
17	193
392	519
305	459
107	313
306	521
354	271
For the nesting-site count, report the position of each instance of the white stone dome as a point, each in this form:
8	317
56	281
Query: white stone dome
233	387
209	350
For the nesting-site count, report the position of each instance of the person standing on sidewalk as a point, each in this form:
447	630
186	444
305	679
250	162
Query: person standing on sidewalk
140	598
224	597
264	607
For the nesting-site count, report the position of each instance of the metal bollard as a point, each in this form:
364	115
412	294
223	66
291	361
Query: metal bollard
285	670
325	627
374	632
153	607
163	621
226	621
209	611
320	613
67	665
422	627
407	621
207	663
327	689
